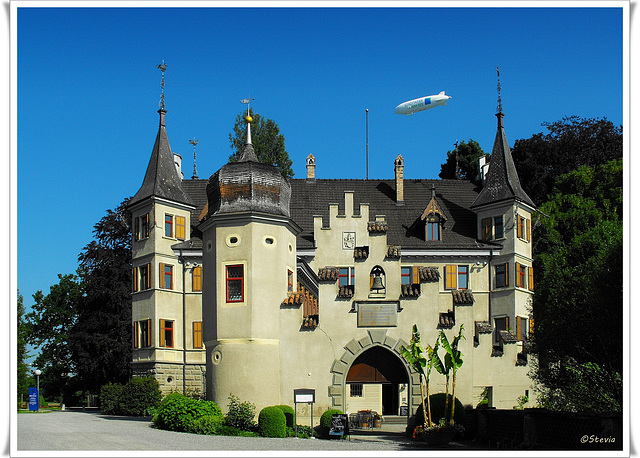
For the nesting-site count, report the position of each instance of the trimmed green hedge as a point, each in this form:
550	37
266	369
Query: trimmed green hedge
138	397
272	422
289	414
180	413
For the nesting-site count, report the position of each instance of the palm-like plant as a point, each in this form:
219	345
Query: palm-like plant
414	356
452	361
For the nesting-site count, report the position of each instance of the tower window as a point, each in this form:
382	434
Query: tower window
141	227
166	276
166	333
168	225
502	275
235	283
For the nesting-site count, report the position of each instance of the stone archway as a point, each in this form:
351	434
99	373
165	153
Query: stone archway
356	347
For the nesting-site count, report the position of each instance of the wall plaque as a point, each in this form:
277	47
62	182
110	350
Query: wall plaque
383	314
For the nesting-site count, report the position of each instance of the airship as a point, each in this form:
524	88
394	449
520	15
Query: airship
423	103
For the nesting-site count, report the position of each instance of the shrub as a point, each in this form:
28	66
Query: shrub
110	395
325	422
437	410
304	431
289	414
272	422
241	414
139	397
208	425
180	413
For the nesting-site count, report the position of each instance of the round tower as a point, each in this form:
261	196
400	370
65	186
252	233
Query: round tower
249	259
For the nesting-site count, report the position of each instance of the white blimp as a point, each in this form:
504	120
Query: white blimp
423	103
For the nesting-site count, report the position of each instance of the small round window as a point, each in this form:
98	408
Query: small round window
269	240
233	240
209	246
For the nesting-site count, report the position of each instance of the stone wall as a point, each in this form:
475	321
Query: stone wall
169	376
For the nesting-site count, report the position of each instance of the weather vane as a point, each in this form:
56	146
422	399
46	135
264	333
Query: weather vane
162	67
499	89
248	102
194	142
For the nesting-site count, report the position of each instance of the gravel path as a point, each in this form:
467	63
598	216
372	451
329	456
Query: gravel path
79	431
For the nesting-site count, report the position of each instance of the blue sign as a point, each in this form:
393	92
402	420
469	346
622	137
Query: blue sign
427	101
33	398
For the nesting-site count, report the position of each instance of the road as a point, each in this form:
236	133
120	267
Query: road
92	431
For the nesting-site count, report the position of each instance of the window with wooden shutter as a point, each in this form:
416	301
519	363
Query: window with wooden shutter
168	225
197	334
136	229
136	339
166	276
520	275
486	229
180	227
166	333
521	328
530	278
145	225
144	330
135	279
196	283
451	276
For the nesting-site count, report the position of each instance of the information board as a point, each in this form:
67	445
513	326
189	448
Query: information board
33	398
373	315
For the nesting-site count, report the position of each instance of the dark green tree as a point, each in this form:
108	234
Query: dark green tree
267	141
578	301
50	323
100	340
570	143
468	155
22	377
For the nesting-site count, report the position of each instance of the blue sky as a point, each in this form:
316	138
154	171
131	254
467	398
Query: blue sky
88	92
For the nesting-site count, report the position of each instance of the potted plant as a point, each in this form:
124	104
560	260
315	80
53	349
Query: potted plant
377	420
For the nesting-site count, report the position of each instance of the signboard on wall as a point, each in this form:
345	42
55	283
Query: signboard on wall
377	314
304	395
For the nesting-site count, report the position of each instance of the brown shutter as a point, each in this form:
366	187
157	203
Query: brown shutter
161	279
136	341
135	279
531	278
197	334
451	272
162	341
519	328
149	335
486	229
416	275
528	222
146	232
506	276
180	227
136	229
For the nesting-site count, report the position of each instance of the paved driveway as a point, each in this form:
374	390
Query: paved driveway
82	431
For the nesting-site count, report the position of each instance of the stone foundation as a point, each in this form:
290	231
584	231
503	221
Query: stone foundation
169	376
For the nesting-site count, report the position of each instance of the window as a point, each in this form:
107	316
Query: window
521	275
521	328
356	390
500	324
235	283
166	333
289	280
197	334
405	273
196	278
433	227
166	276
145	333
498	222
486	229
141	278
524	228
502	275
141	227
346	276
168	225
530	278
456	277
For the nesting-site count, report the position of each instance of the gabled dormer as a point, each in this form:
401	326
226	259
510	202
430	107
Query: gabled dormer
434	218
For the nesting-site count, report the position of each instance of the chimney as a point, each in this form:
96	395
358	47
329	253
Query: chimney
177	160
311	167
399	169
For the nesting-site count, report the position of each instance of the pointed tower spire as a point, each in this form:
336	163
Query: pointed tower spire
248	154
194	142
502	182
162	179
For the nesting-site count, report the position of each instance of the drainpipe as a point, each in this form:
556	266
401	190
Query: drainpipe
184	326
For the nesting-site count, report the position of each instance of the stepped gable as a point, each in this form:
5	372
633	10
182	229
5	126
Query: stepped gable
405	228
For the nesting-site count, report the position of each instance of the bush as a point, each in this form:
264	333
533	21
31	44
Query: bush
289	414
208	425
139	397
180	413
110	395
304	431
437	410
325	422
272	422
241	414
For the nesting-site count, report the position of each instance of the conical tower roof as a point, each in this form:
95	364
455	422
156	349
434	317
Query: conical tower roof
162	178
502	182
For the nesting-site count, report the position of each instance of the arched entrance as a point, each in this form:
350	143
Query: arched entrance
377	380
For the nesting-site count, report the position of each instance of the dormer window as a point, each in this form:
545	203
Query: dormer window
433	227
434	218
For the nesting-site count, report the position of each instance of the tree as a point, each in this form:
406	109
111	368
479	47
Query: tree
22	334
570	143
100	340
50	324
267	141
468	155
578	301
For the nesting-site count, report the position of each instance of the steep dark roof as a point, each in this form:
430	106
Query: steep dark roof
502	181
162	178
404	228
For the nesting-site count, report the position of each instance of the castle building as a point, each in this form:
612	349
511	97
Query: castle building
255	285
